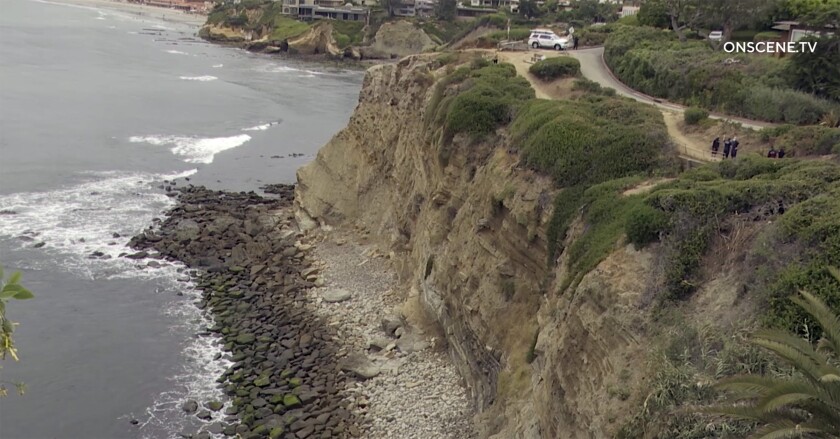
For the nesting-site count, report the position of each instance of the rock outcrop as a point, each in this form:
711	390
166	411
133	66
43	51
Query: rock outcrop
398	39
316	41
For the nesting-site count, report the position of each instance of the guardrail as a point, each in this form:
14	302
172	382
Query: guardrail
697	154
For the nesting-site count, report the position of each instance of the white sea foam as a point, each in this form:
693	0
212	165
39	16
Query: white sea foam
197	378
194	149
75	221
204	78
217	66
275	68
262	127
177	52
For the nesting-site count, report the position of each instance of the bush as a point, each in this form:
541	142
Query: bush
767	36
804	140
594	35
516	34
553	68
488	97
692	73
347	33
693	116
644	223
592	87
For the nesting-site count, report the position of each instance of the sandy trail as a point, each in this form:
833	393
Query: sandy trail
593	69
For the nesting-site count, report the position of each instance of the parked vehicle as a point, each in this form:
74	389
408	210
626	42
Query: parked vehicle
716	35
547	39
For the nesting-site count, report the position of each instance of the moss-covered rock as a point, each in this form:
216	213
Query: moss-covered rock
291	401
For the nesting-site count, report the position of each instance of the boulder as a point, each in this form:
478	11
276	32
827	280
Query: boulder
190	406
335	296
360	366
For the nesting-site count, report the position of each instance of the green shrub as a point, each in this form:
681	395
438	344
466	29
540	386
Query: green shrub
804	140
692	73
586	142
341	40
594	35
516	34
644	224
488	97
630	20
236	20
767	36
347	33
553	68
694	115
445	59
592	87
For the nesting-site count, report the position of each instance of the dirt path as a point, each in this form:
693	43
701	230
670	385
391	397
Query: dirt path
688	148
594	70
520	61
593	67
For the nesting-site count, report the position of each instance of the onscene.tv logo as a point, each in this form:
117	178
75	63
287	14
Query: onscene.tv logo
770	47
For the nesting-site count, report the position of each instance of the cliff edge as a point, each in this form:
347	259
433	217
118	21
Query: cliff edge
586	309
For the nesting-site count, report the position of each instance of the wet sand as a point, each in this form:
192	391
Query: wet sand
151	12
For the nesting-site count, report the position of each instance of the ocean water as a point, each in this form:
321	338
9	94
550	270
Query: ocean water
97	108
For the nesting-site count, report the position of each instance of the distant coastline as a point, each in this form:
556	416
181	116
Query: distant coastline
151	12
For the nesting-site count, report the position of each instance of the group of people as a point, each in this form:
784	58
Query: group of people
730	147
776	154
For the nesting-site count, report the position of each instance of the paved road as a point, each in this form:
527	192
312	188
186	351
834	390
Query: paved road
592	66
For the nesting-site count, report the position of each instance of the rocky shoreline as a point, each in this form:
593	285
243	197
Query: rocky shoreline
245	255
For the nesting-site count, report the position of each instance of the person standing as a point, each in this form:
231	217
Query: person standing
733	152
727	144
781	153
574	42
715	146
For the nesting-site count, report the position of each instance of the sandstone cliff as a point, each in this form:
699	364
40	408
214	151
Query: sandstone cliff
468	237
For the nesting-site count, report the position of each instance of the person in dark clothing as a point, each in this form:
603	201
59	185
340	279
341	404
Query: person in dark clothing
772	153
733	150
575	42
727	145
781	153
715	146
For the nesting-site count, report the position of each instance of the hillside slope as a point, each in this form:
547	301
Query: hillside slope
575	304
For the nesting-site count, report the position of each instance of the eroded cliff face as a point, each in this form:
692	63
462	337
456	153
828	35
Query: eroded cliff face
467	235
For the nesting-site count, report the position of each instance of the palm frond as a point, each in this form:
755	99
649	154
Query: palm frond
827	319
783	430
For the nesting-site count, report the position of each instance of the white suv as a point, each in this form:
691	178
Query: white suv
716	35
547	39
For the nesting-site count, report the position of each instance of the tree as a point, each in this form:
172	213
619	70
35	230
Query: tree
681	14
529	9
805	405
9	289
447	9
732	14
801	8
595	11
390	6
653	13
817	72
